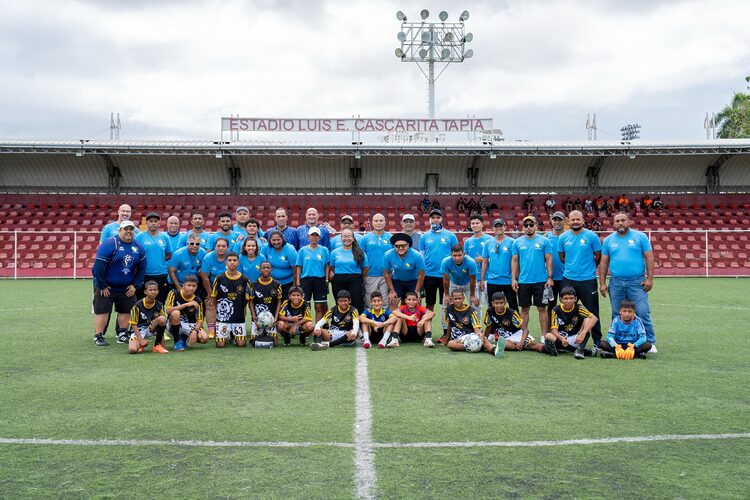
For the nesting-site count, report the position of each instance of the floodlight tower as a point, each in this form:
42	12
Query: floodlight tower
425	42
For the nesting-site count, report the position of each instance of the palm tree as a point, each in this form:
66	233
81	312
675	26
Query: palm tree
734	120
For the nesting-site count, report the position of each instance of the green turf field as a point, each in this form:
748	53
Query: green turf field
56	385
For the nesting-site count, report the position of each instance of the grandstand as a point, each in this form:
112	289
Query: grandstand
56	195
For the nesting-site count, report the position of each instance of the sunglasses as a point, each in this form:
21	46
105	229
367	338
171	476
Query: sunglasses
529	224
401	246
194	244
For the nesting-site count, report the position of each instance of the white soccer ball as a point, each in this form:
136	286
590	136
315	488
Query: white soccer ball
265	319
472	343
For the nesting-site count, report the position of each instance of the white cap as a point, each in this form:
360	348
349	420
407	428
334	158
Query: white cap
127	223
314	230
407	217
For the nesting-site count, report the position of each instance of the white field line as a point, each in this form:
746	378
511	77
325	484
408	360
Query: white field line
450	444
698	306
43	308
364	455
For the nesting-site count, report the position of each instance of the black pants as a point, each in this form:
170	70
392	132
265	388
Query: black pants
285	290
510	295
353	284
164	286
588	294
556	289
645	347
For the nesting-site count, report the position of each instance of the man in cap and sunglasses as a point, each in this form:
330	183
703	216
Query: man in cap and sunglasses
495	275
403	269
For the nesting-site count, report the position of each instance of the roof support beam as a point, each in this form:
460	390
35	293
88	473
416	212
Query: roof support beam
592	174
235	174
472	172
355	173
114	175
713	179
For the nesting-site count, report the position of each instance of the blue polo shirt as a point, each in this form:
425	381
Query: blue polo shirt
531	258
313	262
375	248
498	256
626	254
185	264
233	237
343	262
212	266
557	265
205	236
459	274
435	246
336	240
156	248
282	262
119	265
289	233
579	254
406	269
251	267
473	247
111	230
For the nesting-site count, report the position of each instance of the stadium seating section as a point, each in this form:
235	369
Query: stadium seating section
679	234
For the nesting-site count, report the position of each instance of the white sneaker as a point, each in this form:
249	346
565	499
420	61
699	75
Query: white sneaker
428	342
653	349
393	342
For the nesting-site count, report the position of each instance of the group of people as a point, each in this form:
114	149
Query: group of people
199	286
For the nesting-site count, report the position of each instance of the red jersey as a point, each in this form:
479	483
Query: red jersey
419	311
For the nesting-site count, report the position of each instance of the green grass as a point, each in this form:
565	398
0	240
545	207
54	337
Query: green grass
55	384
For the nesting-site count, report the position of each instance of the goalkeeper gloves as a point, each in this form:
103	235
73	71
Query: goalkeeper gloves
630	352
619	352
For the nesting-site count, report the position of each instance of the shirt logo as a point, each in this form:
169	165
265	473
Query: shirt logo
134	249
537	245
442	240
407	265
583	242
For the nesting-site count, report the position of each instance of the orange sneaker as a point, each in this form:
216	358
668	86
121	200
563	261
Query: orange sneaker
211	334
159	349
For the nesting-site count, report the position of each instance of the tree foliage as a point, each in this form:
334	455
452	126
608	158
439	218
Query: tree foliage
733	121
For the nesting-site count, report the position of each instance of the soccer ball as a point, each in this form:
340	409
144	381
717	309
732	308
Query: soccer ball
472	343
265	319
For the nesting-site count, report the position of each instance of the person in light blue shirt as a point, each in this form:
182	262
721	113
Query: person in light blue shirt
627	335
225	231
349	267
435	246
403	269
214	264
459	273
558	228
196	221
241	216
531	268
158	252
474	247
187	261
311	273
495	275
580	251
628	257
250	259
110	230
173	233
283	258
346	223
375	244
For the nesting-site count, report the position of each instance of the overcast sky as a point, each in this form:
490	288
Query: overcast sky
173	68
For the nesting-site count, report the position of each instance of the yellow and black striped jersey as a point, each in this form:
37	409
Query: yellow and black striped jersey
462	321
288	310
142	315
232	296
190	314
507	322
569	322
341	320
265	296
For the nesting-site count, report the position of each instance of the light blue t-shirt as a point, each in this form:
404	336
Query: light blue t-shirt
557	265
406	269
243	231
213	266
626	333
375	248
313	262
282	262
205	236
435	246
579	254
237	247
336	240
233	237
111	230
174	241
459	274
498	256
185	264
156	247
626	254
473	247
251	267
531	258
343	262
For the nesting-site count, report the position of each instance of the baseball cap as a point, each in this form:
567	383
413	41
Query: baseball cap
558	215
529	217
314	230
240	209
498	222
347	217
153	215
407	217
436	211
127	223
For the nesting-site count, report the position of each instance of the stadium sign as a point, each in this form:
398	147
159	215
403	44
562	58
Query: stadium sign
238	124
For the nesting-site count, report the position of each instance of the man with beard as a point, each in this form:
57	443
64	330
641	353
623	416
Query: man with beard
225	231
196	220
289	233
158	251
580	252
627	254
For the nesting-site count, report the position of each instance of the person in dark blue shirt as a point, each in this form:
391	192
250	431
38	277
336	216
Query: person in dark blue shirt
118	272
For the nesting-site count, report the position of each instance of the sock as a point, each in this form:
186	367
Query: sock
211	327
99	333
119	331
366	336
317	338
302	337
159	335
428	334
340	340
286	336
386	336
175	330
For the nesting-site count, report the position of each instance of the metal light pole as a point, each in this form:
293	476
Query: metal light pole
429	43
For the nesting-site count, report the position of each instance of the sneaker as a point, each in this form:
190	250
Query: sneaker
99	340
443	340
159	349
393	343
579	353
211	334
179	346
500	349
303	342
428	342
653	349
319	346
123	338
381	345
366	345
641	355
550	347
595	351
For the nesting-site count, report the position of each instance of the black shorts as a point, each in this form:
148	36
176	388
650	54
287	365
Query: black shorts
122	303
510	294
433	285
401	287
411	335
376	335
531	292
165	286
315	289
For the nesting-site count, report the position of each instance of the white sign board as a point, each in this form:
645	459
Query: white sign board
415	125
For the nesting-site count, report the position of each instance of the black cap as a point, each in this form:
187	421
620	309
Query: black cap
401	237
436	211
498	222
153	215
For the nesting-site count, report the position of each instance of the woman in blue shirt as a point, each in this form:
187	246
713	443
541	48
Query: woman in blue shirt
250	259
282	257
348	269
213	265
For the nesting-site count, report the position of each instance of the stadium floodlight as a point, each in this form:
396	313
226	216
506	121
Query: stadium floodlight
427	42
219	156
